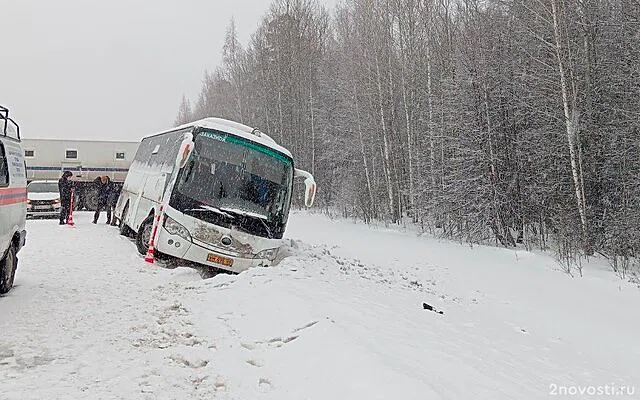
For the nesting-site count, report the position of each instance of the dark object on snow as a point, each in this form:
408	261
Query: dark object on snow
430	308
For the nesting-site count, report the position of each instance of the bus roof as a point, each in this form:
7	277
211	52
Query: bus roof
237	129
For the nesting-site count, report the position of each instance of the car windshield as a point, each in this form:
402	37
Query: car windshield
234	176
43	187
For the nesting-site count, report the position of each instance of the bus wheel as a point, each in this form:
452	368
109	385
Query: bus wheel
8	270
144	235
124	229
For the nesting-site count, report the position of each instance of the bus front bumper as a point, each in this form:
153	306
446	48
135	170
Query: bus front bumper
179	247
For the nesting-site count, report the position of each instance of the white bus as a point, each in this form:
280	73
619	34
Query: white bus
222	190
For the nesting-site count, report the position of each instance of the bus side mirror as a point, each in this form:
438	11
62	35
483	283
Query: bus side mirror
310	192
310	186
185	151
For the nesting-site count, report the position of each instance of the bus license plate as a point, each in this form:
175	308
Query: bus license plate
214	258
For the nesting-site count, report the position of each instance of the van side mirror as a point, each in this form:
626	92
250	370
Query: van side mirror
310	186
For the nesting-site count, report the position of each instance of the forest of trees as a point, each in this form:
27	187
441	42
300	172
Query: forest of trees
514	122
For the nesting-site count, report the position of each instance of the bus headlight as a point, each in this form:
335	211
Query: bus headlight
269	254
174	228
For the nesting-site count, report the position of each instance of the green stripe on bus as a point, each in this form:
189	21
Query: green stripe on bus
225	137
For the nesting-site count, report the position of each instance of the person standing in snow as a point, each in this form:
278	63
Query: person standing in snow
112	201
104	189
65	187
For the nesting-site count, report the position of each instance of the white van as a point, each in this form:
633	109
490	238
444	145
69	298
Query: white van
225	191
13	199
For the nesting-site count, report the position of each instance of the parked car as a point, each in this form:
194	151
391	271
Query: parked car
43	199
13	198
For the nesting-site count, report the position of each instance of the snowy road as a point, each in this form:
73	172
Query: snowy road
340	318
69	325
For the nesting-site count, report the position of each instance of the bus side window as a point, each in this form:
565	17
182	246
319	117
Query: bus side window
4	168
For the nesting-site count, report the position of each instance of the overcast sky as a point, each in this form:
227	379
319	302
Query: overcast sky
111	69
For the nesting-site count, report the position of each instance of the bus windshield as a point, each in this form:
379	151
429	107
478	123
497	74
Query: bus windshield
229	180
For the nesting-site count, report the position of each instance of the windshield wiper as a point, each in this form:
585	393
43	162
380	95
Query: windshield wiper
214	209
246	215
266	227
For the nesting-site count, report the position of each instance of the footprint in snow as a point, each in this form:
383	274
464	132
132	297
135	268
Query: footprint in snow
265	383
278	341
255	363
145	387
248	346
6	352
308	325
180	359
289	339
220	384
197	381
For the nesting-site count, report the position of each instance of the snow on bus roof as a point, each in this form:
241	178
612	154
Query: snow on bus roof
238	129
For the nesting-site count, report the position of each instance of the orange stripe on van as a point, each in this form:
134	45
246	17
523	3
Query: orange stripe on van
10	196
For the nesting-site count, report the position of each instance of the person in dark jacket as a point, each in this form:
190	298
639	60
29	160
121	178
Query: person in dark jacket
112	201
105	187
65	187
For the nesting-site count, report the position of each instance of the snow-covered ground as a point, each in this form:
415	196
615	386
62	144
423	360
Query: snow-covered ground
341	317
